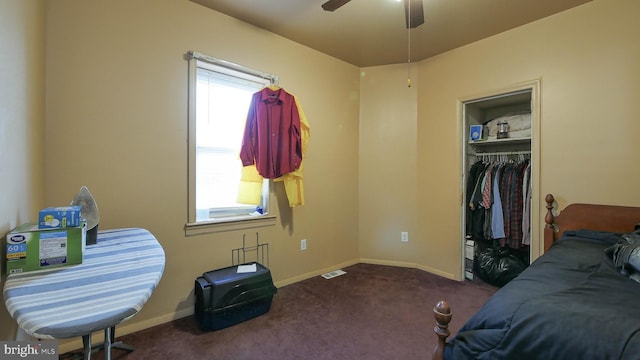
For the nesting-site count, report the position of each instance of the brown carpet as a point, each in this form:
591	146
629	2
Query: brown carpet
371	312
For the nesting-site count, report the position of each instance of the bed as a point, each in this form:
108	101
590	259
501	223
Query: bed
572	302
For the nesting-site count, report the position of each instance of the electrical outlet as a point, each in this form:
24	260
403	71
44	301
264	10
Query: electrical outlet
303	244
404	236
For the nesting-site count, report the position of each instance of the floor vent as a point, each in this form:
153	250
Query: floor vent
333	274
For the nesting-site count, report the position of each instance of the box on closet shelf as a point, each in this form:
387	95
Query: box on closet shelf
476	132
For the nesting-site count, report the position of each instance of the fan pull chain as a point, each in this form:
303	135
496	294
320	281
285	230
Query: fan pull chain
409	45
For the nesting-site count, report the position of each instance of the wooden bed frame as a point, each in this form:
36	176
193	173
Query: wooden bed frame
613	218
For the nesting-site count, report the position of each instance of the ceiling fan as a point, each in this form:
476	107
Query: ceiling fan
413	12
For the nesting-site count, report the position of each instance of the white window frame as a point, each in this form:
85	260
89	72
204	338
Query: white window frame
226	219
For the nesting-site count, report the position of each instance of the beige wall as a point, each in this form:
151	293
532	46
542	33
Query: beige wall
587	60
388	161
117	122
21	121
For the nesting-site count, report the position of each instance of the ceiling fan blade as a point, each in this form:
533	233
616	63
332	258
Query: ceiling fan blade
417	13
332	5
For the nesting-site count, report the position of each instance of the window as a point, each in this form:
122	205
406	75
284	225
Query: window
219	97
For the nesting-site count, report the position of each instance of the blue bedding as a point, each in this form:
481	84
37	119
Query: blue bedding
571	303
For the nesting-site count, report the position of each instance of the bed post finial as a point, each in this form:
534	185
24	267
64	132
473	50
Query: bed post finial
549	220
442	313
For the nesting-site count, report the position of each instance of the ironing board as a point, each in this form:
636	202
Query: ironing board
114	281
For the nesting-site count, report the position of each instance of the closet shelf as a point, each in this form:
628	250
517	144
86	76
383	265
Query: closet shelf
512	141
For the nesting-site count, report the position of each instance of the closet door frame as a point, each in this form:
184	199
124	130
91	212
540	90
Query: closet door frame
534	86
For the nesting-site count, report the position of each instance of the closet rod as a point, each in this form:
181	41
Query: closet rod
503	153
273	79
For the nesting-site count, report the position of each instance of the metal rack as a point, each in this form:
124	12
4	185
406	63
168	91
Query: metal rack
259	249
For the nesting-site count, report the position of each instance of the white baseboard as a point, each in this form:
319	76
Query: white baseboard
411	266
309	275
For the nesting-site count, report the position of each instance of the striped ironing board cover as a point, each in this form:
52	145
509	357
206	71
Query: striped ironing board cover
116	278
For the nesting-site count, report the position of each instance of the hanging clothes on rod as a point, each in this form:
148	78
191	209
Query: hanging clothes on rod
492	157
499	199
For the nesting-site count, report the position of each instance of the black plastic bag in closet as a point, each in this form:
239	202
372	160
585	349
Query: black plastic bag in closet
498	266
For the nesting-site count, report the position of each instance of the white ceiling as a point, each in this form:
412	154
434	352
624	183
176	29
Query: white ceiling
373	32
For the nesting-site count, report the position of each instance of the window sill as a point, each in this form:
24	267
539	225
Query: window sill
229	224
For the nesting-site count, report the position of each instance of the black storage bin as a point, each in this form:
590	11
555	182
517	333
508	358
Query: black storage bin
225	297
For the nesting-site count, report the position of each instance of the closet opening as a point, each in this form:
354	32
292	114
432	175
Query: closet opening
499	184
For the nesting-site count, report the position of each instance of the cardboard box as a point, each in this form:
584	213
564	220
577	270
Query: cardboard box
59	217
476	133
30	248
469	256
